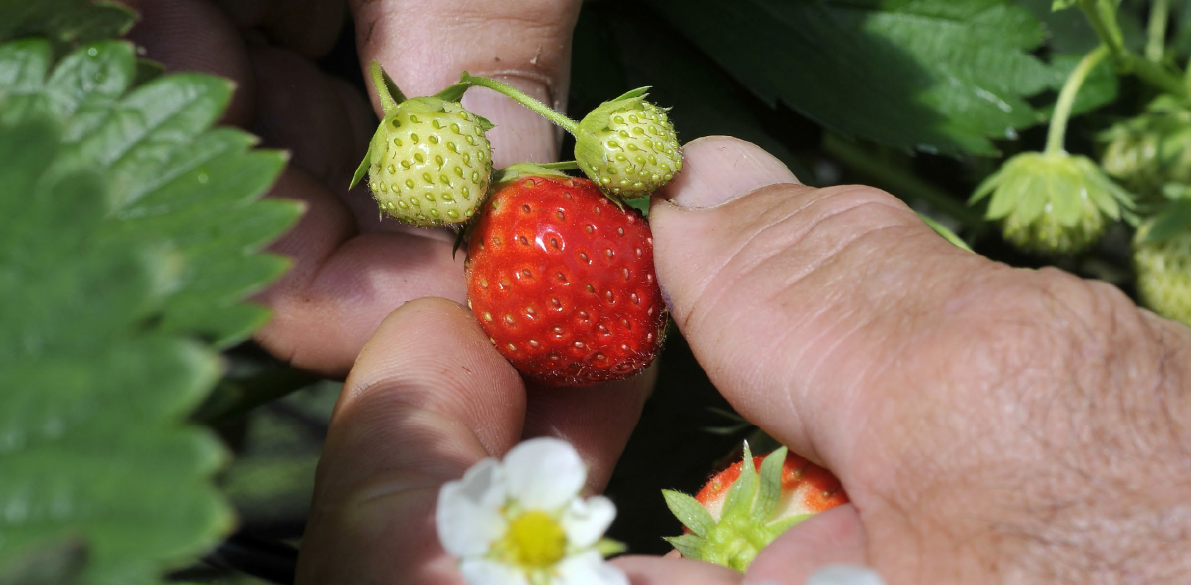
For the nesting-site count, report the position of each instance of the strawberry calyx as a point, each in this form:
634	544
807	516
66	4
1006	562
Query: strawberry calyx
525	170
751	516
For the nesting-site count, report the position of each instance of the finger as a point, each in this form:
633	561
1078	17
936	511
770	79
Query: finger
796	300
307	27
343	284
527	43
645	570
322	121
194	35
597	419
829	538
428	398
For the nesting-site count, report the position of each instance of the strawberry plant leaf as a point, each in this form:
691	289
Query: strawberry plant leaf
172	176
65	22
938	75
95	394
1175	219
689	511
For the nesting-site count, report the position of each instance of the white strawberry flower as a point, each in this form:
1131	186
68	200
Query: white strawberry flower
520	521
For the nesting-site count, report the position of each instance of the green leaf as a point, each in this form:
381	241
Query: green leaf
607	47
172	176
1174	220
689	511
94	395
67	23
938	75
944	231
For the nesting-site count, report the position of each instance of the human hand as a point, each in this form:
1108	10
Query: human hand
351	269
990	424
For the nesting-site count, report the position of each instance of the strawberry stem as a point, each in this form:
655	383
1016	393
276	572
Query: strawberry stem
383	85
1058	120
524	99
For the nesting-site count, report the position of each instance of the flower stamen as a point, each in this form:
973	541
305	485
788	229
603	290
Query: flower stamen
534	540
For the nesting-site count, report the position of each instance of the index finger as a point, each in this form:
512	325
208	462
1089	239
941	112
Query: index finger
428	398
527	43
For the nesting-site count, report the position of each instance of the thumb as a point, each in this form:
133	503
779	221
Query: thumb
793	298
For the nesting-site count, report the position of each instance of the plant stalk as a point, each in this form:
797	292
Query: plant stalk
1058	121
1156	31
1102	15
524	99
381	83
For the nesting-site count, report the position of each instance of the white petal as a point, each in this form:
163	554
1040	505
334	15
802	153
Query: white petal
468	516
587	568
586	521
845	575
489	572
544	473
485	483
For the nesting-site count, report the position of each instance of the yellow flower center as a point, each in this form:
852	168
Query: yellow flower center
534	540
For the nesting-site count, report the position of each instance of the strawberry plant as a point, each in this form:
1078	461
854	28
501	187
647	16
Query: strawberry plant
132	224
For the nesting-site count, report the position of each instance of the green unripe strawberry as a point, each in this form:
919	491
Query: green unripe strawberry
429	162
628	146
1164	272
1052	203
1151	149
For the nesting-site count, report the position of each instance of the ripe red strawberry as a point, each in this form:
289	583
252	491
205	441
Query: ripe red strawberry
738	512
562	280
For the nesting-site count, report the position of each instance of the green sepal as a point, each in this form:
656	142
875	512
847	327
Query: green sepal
363	168
1058	5
777	527
770	490
453	92
1174	220
739	501
689	546
640	92
525	170
608	547
484	123
462	236
689	511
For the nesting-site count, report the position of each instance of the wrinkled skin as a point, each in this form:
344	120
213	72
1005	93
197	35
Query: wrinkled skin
991	425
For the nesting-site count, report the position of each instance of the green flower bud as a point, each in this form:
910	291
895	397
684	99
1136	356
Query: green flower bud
1052	203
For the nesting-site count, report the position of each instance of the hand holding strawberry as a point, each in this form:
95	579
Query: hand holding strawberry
972	412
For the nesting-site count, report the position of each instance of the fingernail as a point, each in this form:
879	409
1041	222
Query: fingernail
718	169
845	575
520	135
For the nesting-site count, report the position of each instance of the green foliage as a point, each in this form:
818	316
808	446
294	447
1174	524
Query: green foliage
130	233
156	142
938	75
65	23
